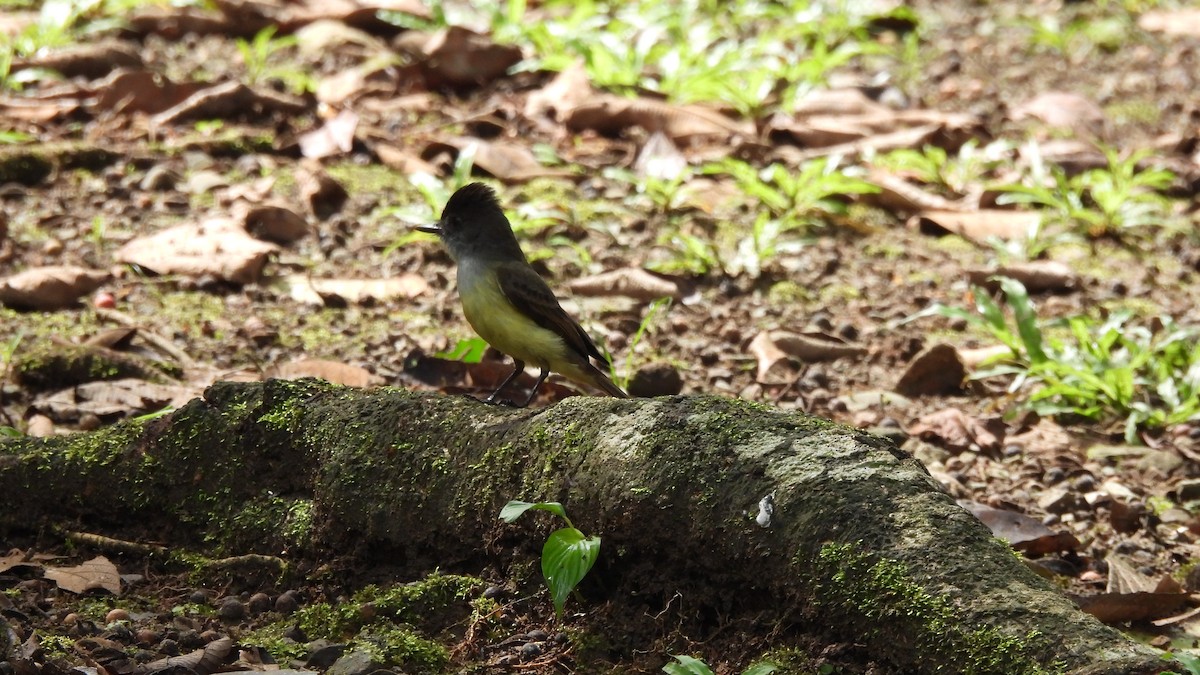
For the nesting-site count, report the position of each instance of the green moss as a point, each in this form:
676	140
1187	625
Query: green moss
789	293
401	646
861	590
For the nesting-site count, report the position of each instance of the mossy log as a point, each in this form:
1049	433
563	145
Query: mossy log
863	546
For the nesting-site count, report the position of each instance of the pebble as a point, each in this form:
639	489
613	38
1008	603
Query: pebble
231	609
529	650
190	639
353	663
146	637
656	379
169	647
116	615
287	602
1189	490
199	597
259	603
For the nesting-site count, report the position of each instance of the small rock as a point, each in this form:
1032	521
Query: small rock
116	615
1058	500
70	619
287	602
159	178
169	647
198	597
231	609
259	603
210	635
190	639
323	654
493	592
530	650
40	426
146	637
354	663
89	422
656	379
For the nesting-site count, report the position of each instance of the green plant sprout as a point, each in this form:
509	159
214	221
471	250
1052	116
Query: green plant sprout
469	350
690	665
1100	370
655	308
257	54
567	555
1098	203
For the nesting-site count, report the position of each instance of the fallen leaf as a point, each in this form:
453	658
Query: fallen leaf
95	573
1037	276
611	114
46	288
313	291
1062	110
978	226
217	247
330	371
228	99
141	91
630	282
937	371
1025	533
957	431
323	194
335	137
568	90
458	57
113	398
659	158
83	60
208	659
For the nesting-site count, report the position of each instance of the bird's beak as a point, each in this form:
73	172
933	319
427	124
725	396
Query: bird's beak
431	229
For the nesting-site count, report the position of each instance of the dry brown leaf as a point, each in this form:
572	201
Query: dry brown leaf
113	398
97	573
458	57
335	137
229	99
898	195
1025	533
1062	110
141	91
340	291
217	247
92	60
21	559
1184	21
841	102
569	89
1113	608
766	353
630	282
957	431
323	194
331	371
404	161
507	161
207	659
610	114
812	346
46	288
34	109
938	370
173	22
1038	276
978	226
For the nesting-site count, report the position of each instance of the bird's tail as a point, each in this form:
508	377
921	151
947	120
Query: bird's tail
583	372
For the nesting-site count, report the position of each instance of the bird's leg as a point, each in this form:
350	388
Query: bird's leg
536	385
520	368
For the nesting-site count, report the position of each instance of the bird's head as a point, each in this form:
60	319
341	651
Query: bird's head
473	223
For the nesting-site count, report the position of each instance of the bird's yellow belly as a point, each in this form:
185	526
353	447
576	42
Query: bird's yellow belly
500	324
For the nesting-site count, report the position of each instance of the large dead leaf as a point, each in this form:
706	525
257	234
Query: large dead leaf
1037	276
229	99
957	431
630	282
23	559
508	161
113	398
341	291
568	90
97	573
208	659
938	370
1025	533
458	57
610	114
978	226
772	347
331	371
217	247
45	288
129	91
84	60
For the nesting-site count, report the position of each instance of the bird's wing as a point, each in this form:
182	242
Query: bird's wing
528	292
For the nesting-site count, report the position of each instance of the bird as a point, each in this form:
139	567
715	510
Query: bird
507	302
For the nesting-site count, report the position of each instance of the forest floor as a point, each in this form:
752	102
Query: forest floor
801	205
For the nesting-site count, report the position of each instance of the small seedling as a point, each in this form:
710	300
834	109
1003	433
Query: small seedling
567	555
690	665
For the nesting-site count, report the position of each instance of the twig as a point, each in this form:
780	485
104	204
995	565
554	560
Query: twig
114	545
153	338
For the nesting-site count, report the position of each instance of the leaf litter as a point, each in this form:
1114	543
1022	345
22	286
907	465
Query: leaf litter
181	202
